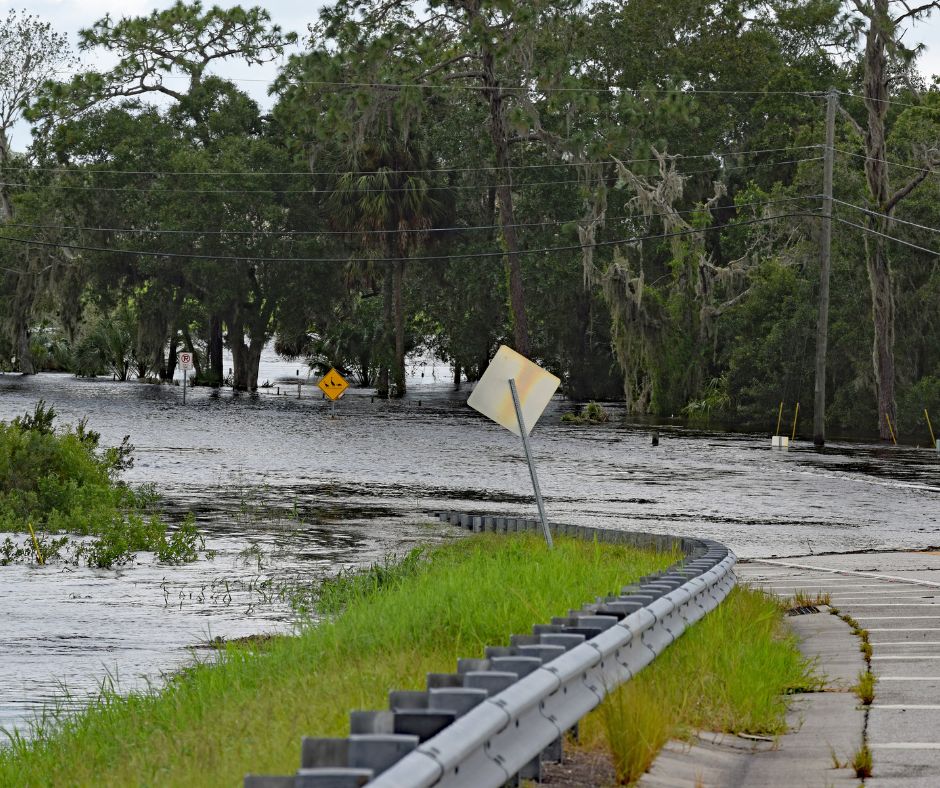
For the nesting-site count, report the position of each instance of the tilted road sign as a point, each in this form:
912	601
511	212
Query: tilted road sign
493	398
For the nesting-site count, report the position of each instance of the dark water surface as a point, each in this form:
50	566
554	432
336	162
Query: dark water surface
287	494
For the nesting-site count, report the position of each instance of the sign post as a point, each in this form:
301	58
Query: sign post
513	392
334	386
185	360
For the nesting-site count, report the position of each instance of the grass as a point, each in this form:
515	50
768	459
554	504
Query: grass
862	762
865	688
393	624
727	674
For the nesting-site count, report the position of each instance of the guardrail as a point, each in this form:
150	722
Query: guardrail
498	718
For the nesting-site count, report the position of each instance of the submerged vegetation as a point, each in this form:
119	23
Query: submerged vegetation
248	709
62	491
728	673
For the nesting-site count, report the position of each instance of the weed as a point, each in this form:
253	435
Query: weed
865	688
862	762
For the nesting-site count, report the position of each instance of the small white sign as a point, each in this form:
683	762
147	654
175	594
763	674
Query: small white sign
493	398
185	360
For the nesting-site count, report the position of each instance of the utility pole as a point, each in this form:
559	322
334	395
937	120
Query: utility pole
825	249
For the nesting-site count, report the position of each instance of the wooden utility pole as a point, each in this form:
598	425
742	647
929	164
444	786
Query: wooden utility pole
825	249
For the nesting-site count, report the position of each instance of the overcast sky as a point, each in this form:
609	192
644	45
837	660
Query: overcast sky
69	16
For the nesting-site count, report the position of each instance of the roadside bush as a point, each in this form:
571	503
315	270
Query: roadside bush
65	483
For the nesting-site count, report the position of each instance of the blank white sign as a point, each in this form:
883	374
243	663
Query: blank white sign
493	398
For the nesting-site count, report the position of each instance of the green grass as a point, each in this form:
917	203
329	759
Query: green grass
395	623
728	673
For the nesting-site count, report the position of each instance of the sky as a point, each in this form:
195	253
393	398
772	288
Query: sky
68	16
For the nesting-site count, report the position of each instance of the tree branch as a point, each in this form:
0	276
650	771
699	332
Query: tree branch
906	189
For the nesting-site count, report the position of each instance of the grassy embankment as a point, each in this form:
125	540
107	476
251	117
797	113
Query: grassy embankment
392	625
58	484
727	674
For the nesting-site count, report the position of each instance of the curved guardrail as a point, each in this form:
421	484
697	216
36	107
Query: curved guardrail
498	718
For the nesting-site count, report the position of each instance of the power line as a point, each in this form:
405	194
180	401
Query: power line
92	170
525	88
354	191
426	258
869	230
888	161
895	102
346	233
885	216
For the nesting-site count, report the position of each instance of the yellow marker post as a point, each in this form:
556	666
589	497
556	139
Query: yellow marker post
891	429
933	437
32	533
779	418
796	415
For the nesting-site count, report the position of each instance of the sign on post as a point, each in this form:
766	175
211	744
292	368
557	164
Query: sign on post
185	360
513	392
333	385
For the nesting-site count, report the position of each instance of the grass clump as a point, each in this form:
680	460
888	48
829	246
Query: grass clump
55	482
592	413
728	673
392	625
865	688
862	762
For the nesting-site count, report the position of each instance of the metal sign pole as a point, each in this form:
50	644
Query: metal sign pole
528	456
185	372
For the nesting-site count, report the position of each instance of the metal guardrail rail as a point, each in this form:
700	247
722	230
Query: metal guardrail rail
497	719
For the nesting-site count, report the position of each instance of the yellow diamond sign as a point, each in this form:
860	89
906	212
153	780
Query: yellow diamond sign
333	384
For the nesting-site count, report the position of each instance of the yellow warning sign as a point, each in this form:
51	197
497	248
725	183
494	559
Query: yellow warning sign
333	384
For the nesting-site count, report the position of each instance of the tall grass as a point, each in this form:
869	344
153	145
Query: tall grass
393	624
728	674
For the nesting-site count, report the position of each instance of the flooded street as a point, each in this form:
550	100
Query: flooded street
286	494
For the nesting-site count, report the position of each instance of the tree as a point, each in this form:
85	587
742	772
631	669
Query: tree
885	61
183	38
31	52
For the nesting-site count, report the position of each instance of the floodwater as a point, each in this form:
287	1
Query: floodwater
287	494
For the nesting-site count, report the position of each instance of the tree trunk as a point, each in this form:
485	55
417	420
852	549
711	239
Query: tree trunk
215	374
457	374
24	358
236	342
171	355
499	134
399	305
6	207
876	173
387	348
882	312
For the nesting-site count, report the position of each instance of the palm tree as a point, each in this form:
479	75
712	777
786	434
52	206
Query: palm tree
388	203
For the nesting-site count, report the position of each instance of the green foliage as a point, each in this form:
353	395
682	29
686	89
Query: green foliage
390	627
728	674
64	483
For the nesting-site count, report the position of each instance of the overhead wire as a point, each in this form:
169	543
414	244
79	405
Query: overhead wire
872	231
895	219
424	258
353	190
863	157
91	169
347	233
